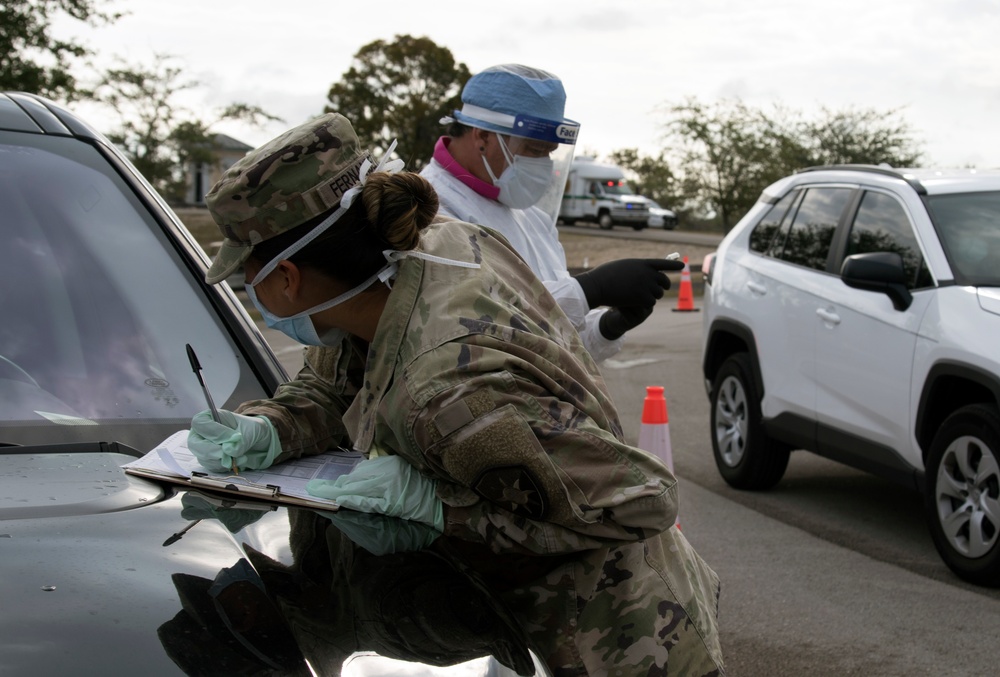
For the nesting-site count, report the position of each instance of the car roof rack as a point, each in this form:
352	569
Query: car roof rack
885	170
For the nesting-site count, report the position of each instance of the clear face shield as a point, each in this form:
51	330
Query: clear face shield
553	139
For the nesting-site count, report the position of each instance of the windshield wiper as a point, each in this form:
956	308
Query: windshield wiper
70	448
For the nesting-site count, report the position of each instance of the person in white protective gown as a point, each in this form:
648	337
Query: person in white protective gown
502	165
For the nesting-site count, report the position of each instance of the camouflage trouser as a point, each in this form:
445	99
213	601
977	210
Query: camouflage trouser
647	608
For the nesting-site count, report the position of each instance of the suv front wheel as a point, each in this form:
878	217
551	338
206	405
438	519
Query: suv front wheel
747	458
963	493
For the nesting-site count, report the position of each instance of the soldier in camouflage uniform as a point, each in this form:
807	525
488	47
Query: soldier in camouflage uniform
460	368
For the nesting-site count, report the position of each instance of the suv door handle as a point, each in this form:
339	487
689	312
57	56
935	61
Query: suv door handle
756	288
828	316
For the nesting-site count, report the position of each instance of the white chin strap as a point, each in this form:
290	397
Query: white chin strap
507	155
394	256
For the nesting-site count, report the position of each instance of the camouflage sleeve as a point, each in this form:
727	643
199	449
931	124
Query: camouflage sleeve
308	411
523	471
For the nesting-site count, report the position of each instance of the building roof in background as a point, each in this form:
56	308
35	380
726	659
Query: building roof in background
225	142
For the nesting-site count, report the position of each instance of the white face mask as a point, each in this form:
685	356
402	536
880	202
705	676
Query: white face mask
525	180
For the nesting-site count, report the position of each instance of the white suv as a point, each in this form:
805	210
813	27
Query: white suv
855	312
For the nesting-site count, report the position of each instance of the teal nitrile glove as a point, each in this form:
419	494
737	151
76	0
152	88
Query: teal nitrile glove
386	485
249	441
234	519
380	534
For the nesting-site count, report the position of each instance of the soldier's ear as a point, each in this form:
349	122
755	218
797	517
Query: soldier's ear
289	278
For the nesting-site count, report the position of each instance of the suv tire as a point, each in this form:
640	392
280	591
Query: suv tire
746	457
962	493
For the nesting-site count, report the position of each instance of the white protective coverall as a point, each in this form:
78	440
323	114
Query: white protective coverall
533	235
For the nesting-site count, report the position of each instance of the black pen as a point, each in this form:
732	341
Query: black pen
176	537
196	366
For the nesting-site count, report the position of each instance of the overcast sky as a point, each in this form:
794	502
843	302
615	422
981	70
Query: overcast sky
621	61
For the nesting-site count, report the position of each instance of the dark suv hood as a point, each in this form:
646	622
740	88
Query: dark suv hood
92	558
138	578
97	587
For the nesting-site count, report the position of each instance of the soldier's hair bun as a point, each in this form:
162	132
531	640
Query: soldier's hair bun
399	206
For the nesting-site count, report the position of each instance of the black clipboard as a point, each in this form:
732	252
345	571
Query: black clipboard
172	462
235	484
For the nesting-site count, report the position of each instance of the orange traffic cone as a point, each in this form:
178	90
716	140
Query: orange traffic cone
654	434
685	295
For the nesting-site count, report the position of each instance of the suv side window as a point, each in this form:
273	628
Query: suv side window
808	240
766	232
881	225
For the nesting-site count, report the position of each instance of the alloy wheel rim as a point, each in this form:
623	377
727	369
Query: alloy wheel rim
731	421
967	495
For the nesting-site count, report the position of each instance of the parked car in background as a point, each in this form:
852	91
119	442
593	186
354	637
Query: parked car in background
660	217
855	312
104	573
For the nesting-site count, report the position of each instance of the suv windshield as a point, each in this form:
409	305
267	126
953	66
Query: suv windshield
969	227
97	307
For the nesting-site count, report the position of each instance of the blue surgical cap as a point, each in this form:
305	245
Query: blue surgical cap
518	100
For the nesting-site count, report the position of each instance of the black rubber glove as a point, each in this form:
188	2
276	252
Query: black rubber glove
614	323
627	283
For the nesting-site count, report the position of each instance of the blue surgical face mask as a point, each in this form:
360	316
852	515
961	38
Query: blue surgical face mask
299	327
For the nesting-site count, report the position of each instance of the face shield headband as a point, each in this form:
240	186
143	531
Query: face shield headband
529	126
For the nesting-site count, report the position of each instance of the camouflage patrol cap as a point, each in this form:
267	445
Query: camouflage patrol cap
291	179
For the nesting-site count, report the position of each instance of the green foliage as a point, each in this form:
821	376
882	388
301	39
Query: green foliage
649	176
860	136
32	59
728	152
400	90
158	135
142	99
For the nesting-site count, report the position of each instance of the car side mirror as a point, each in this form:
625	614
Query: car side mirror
879	272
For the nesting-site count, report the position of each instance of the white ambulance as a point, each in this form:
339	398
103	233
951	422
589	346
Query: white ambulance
598	192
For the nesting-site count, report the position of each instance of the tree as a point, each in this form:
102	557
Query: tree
32	59
400	90
158	135
729	152
653	176
862	136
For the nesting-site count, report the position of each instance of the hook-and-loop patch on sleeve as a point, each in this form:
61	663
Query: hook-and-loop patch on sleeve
499	457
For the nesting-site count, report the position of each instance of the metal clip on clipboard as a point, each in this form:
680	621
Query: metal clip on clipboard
234	483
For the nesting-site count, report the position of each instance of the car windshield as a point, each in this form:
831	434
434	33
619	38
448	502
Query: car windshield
969	226
97	307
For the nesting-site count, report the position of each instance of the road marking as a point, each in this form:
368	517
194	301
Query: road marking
628	364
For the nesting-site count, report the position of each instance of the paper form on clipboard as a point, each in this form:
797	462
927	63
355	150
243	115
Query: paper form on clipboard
172	461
